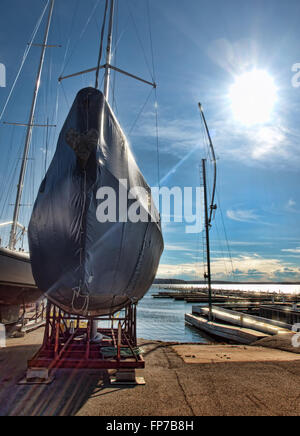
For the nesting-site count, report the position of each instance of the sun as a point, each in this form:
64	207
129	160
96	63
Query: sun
253	96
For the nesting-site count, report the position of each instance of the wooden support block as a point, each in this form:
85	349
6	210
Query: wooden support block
126	377
37	376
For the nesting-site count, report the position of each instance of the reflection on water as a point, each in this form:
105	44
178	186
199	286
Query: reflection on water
163	320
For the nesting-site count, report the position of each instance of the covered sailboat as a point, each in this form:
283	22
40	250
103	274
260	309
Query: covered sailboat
88	263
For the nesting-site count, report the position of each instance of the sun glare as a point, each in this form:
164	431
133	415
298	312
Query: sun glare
253	96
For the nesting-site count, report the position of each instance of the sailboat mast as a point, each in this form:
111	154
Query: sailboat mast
108	50
207	226
214	160
12	239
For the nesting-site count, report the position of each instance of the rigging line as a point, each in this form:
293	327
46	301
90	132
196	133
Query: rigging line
116	33
69	39
64	93
221	248
141	44
157	138
140	112
47	146
225	233
114	101
101	44
8	159
83	32
118	40
57	14
26	52
48	91
151	40
10	183
54	118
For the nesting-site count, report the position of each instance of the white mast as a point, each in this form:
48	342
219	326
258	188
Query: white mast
94	333
12	239
108	51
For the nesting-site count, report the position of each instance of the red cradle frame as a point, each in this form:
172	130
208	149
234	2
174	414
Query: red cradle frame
67	344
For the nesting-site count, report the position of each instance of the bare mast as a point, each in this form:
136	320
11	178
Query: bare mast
108	51
207	227
94	331
12	239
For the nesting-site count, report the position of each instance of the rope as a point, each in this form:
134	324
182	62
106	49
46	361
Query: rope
77	290
77	294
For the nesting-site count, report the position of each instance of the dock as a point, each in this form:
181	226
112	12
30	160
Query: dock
232	333
236	326
200	295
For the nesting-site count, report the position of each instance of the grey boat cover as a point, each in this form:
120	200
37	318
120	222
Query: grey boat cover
86	266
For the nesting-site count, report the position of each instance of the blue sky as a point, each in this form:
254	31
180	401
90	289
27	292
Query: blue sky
200	47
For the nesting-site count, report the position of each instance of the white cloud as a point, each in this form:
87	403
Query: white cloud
248	243
242	215
267	141
245	267
259	145
291	203
171	247
291	250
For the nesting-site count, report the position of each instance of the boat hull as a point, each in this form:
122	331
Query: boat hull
17	285
94	266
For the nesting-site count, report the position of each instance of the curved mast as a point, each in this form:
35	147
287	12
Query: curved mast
12	239
212	207
212	203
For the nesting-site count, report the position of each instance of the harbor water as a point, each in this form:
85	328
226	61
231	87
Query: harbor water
163	319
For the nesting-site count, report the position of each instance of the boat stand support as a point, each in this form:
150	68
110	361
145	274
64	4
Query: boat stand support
68	343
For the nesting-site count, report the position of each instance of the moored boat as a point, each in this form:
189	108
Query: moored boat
17	285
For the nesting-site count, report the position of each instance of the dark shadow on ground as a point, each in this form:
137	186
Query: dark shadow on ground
67	394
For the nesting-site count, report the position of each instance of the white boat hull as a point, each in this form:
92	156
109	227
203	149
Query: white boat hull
17	285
